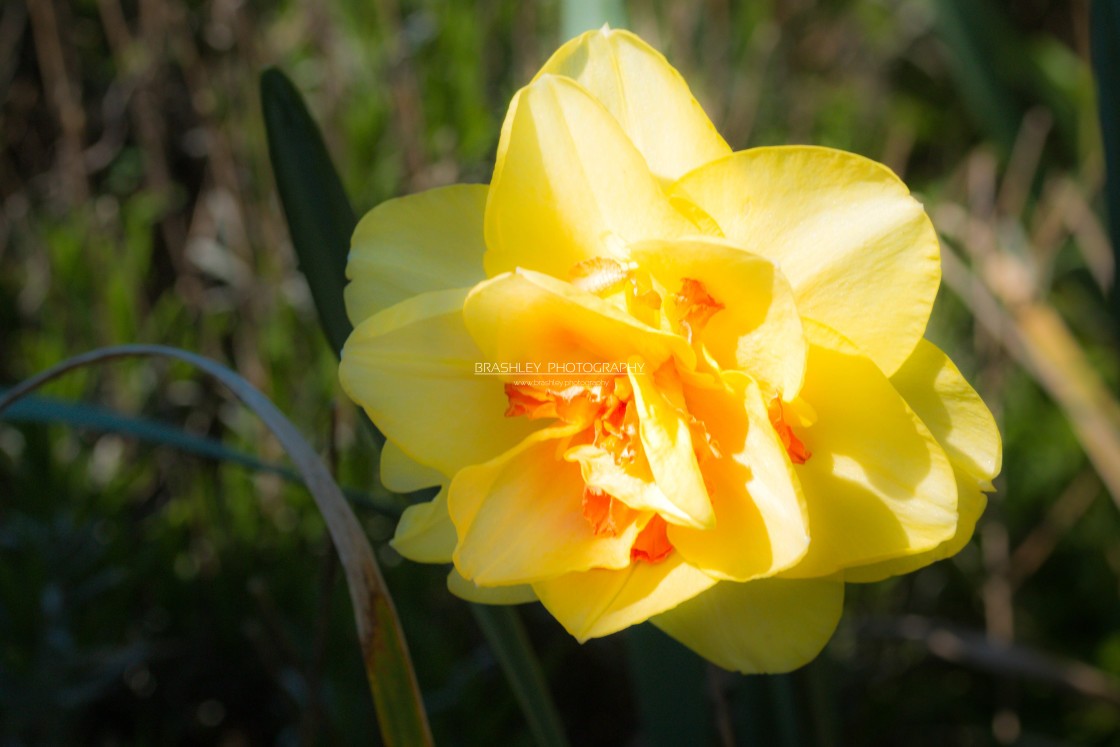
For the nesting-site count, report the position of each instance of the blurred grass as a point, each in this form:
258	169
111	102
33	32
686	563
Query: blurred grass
147	597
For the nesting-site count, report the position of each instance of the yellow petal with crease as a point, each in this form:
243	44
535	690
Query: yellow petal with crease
472	592
970	505
877	485
526	316
403	474
962	424
425	532
667	443
767	626
569	185
414	244
953	412
759	329
600	601
646	95
412	367
858	250
519	518
760	517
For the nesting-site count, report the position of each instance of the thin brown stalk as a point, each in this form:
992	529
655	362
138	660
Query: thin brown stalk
64	98
1071	505
1037	338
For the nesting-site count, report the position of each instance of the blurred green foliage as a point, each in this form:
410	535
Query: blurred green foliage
153	598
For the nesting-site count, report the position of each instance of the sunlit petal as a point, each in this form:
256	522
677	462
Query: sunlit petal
953	412
878	485
472	592
759	329
760	517
962	424
425	532
519	518
412	367
646	95
527	316
667	444
569	185
423	242
970	505
858	250
766	626
403	474
600	601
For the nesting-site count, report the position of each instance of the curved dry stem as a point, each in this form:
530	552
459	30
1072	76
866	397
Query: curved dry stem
396	693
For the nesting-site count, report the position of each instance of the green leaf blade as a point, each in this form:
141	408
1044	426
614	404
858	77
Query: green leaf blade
320	218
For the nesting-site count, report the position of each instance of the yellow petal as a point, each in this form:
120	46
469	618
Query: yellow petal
519	518
472	592
646	95
859	251
425	532
598	602
530	317
766	626
412	367
759	329
414	244
760	516
877	485
953	412
962	424
667	443
569	185
970	505
403	474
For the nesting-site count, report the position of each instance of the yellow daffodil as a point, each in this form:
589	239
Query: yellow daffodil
661	380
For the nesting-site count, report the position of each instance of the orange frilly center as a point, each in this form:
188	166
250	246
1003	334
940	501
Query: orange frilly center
604	414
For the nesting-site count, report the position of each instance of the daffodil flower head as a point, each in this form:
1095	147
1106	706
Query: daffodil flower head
660	380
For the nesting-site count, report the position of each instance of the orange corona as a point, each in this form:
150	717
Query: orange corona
603	410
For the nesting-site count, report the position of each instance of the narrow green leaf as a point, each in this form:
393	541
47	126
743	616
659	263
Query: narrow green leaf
1105	47
976	36
320	219
785	709
670	683
506	635
396	695
33	409
763	710
1000	75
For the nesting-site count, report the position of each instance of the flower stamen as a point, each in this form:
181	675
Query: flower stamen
599	275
